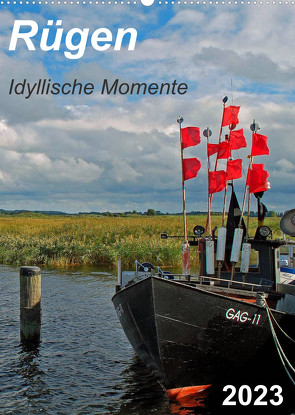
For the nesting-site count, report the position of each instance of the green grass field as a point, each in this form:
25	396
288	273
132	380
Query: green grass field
101	241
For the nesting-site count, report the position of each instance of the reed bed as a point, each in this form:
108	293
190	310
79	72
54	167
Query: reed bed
76	240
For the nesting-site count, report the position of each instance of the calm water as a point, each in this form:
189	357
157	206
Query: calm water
84	364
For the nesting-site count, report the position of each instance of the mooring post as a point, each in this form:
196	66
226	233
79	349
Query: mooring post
119	276
30	303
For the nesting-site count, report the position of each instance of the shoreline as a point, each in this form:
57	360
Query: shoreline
100	241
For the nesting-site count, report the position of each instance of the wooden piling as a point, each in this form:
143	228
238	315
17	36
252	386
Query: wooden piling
30	304
119	276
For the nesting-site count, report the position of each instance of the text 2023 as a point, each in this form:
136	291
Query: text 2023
244	395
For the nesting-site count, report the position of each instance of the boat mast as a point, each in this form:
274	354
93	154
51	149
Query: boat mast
225	194
207	133
238	235
180	121
224	101
254	128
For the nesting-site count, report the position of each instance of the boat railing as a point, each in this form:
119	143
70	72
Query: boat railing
228	282
290	242
144	270
213	280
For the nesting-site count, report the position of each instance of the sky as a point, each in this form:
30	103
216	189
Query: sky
82	153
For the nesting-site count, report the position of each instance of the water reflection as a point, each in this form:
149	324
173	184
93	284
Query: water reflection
143	394
83	366
28	368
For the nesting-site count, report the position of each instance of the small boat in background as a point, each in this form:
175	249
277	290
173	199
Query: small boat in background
287	260
231	324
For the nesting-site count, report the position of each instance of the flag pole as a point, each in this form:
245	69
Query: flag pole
237	242
185	245
225	192
180	121
207	133
245	194
224	205
221	241
248	205
210	267
209	195
224	101
254	128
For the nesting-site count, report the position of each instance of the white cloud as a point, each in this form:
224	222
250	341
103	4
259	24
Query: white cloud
286	165
101	152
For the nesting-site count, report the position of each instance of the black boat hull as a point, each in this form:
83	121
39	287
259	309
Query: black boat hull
190	336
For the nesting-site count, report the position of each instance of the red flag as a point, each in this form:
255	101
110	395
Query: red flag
191	168
212	149
230	115
217	181
259	145
223	150
257	166
257	178
237	139
190	136
234	169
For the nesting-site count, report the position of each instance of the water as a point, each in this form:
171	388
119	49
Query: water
84	364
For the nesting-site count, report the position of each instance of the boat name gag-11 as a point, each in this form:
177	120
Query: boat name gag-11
25	31
242	316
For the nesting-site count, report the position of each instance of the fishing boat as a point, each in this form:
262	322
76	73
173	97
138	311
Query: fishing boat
231	327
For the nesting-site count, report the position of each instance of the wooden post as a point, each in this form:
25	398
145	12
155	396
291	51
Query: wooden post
119	276
30	304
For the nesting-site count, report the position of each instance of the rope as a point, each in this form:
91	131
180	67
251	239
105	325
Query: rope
280	351
280	347
273	317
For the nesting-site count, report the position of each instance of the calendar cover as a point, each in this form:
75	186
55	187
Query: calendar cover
175	110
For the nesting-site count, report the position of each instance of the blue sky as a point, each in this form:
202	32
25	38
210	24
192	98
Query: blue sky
98	152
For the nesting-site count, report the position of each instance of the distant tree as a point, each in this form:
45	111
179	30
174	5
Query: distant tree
272	214
151	212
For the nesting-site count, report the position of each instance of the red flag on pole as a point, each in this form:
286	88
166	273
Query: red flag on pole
257	166
190	137
212	149
237	139
230	115
257	178
217	181
191	168
259	145
223	150
234	169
